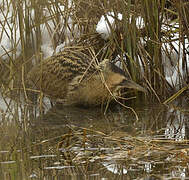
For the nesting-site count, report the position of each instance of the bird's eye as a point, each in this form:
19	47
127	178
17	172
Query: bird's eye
123	82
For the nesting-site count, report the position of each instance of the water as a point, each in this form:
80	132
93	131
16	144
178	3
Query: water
81	143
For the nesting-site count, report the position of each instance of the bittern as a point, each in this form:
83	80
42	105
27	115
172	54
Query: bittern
75	77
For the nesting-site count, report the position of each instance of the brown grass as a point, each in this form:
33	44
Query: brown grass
139	50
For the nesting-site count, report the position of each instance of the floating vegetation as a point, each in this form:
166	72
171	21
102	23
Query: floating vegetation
83	144
75	141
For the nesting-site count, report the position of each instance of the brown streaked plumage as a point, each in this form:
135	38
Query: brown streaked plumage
76	77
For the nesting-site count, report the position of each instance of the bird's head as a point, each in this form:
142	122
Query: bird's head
116	79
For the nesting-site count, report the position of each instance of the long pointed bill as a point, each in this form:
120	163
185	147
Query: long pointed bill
132	85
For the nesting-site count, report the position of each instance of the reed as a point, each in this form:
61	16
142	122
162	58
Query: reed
137	46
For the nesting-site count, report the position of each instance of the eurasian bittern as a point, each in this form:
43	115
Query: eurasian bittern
76	77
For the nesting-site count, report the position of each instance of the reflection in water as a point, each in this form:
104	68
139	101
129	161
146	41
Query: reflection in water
179	172
115	168
175	125
148	167
72	142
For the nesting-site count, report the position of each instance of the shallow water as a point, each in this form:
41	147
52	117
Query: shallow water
81	143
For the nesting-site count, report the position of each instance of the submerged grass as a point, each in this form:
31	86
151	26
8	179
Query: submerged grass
84	145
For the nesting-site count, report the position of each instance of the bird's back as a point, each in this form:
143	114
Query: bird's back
56	74
75	76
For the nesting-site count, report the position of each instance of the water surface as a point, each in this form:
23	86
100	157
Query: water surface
83	143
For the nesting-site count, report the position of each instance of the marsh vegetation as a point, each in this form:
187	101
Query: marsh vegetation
147	39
